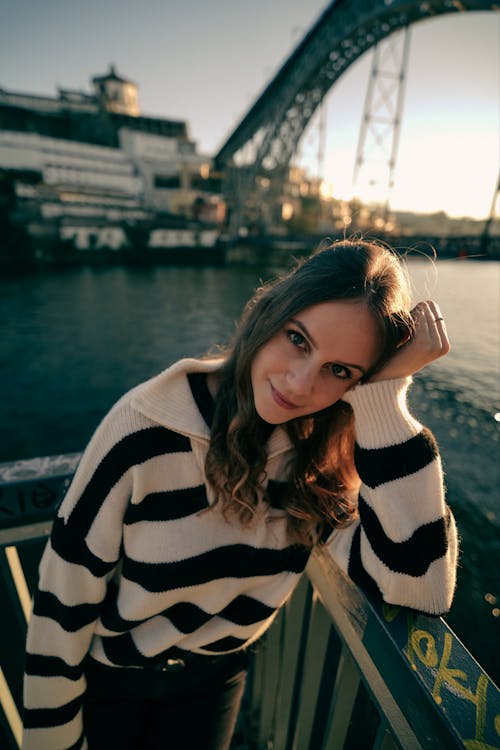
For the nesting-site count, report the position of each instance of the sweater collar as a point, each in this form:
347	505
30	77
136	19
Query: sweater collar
167	400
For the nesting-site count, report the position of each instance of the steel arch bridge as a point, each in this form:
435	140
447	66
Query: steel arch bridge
268	135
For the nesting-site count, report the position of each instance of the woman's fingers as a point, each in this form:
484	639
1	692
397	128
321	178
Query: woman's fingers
428	342
439	326
430	329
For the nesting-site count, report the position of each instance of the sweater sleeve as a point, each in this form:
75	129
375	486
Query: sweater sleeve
75	568
404	543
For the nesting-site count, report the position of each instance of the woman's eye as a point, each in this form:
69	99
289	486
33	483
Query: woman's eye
296	338
340	371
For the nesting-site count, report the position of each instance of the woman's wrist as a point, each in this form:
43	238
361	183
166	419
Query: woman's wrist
381	412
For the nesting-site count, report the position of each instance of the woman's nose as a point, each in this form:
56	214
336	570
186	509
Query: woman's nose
300	378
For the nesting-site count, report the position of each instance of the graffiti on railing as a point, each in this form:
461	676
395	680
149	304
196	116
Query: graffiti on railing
30	499
32	489
435	656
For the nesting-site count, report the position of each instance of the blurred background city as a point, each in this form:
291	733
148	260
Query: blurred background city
127	126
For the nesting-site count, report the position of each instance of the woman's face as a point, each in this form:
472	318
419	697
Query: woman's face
313	360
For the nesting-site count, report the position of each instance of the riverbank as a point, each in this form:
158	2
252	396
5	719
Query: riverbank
249	251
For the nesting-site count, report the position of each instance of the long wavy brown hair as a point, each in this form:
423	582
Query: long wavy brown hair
322	477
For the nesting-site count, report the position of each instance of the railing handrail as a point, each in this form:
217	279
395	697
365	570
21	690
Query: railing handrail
30	491
395	647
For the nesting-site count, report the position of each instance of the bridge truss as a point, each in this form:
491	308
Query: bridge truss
268	135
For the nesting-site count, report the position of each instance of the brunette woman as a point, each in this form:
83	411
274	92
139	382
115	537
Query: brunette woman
203	492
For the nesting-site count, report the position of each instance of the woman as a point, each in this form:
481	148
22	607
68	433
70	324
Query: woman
202	493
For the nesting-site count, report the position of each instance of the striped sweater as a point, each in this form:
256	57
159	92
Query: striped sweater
138	564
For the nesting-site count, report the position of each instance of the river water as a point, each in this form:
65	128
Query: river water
73	341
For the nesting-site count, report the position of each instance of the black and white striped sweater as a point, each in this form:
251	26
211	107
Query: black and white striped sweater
135	568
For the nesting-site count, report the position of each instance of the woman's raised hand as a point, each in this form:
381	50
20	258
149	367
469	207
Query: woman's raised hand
428	342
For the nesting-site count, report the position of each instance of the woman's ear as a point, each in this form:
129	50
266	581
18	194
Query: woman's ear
406	329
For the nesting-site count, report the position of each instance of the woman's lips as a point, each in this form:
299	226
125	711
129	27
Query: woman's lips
281	400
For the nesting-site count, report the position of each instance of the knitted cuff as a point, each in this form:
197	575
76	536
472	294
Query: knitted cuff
381	413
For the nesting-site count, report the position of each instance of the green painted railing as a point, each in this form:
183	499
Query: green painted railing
336	671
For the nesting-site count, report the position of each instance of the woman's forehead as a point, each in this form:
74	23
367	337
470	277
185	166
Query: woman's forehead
341	329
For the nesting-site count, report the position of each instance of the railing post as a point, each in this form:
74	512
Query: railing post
17	576
317	640
10	710
271	668
384	739
295	612
344	695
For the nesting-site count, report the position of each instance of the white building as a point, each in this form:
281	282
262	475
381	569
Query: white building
81	157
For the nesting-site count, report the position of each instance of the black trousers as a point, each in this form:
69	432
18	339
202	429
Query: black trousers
195	708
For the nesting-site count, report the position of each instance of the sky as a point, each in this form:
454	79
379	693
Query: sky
206	61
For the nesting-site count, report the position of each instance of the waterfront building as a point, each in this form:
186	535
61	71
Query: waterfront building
83	166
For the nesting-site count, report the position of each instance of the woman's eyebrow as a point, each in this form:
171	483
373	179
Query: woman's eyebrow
311	339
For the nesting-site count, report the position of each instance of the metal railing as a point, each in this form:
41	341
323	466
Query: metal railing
336	671
340	670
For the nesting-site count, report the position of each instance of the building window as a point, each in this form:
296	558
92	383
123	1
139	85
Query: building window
163	182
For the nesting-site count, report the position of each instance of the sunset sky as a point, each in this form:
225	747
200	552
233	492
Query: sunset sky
206	62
